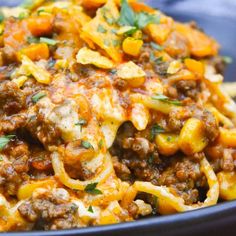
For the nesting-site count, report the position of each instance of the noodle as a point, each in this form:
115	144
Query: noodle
110	111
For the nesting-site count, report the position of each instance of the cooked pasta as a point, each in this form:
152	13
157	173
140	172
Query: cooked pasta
110	111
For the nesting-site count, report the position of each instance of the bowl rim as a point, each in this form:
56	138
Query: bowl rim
201	216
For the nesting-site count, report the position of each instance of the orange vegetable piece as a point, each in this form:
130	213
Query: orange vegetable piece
35	52
139	7
132	46
160	32
194	66
40	25
200	44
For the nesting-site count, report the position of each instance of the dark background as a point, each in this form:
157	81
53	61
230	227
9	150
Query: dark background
216	17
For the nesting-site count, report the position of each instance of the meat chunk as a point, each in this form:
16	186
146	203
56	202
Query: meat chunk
12	99
188	88
12	123
50	210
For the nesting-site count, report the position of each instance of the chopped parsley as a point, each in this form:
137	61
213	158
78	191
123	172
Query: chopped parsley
113	71
32	40
165	99
100	144
106	42
156	129
22	15
4	140
90	209
101	29
150	159
86	144
156	46
157	60
2	17
227	59
74	207
1	158
139	20
38	96
116	43
91	189
155	203
81	123
48	41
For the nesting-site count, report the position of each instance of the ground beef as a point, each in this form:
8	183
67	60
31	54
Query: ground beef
11	123
177	46
218	63
176	120
227	162
14	172
49	211
210	124
43	130
187	88
185	177
121	169
12	99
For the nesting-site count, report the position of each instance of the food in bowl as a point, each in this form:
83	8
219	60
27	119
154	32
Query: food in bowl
110	111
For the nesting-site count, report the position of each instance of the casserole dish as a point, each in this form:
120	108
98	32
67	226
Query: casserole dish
199	221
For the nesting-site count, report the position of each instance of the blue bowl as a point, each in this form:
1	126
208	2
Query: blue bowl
217	18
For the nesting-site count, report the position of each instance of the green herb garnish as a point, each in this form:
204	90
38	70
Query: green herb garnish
101	29
38	96
156	46
4	140
227	59
139	20
81	123
156	60
32	40
156	129
86	144
48	41
150	159
2	17
90	209
100	144
165	99
74	207
91	189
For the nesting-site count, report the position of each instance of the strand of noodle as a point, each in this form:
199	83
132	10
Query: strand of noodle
157	105
177	203
60	172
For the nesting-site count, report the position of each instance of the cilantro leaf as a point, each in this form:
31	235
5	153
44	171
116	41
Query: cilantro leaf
81	123
101	29
38	96
86	145
144	18
32	40
139	20
156	46
156	129
90	209
91	189
4	140
227	59
127	15
48	41
165	99
2	17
